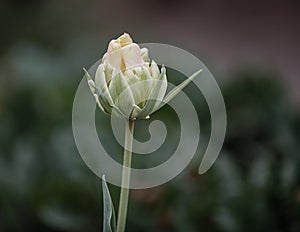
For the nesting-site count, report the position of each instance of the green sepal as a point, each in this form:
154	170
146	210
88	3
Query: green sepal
102	100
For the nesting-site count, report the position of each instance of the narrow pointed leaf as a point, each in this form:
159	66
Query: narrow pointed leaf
177	90
109	218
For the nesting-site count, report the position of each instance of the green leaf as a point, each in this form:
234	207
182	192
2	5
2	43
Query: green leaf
109	218
176	90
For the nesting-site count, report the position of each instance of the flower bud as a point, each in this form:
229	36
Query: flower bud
127	83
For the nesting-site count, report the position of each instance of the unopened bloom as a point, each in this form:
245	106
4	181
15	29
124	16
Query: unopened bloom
123	54
127	83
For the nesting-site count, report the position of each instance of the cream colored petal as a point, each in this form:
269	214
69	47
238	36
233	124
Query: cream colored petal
121	94
113	45
132	56
101	84
145	54
108	72
145	74
156	94
141	90
138	71
164	85
131	77
140	85
92	87
125	39
115	72
114	57
154	70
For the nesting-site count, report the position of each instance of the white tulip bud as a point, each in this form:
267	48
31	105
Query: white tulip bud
126	83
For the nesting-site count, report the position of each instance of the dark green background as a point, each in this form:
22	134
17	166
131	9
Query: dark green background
255	183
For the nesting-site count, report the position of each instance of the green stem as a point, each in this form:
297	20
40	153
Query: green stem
123	203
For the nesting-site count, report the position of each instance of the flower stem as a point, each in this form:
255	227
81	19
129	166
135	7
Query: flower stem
123	203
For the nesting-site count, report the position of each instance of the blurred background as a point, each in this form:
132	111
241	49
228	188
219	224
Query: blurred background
254	53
